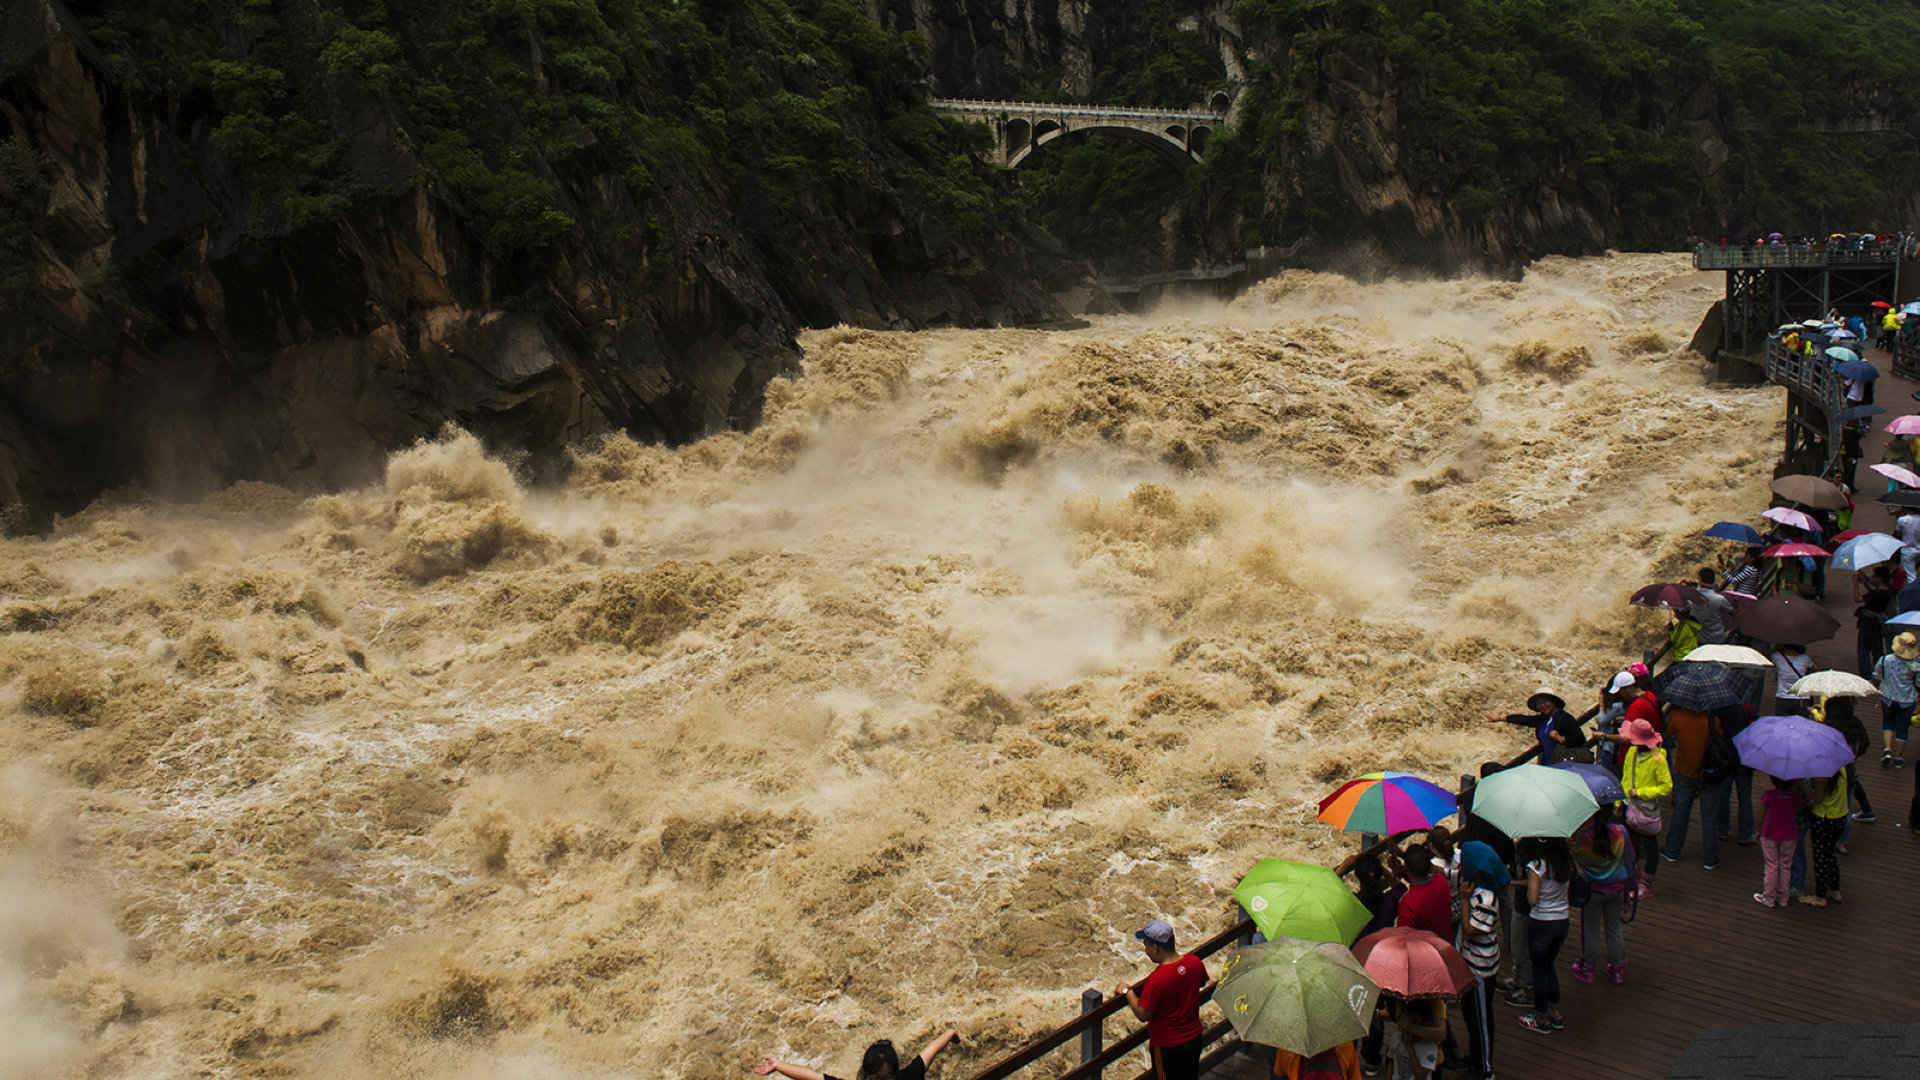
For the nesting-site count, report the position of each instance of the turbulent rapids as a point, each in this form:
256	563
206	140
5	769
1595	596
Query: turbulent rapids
897	712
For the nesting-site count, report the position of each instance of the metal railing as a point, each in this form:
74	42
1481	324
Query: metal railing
1906	356
1813	378
1054	108
1786	256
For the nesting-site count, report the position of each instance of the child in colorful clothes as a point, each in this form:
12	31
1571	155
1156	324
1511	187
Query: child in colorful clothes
1601	852
1827	805
1779	832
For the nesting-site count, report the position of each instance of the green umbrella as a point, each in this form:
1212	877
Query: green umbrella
1303	996
1299	900
1533	800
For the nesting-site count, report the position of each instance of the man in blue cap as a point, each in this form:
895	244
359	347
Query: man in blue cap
1169	1001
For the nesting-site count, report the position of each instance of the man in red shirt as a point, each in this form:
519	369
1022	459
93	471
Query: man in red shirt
1428	904
1169	1001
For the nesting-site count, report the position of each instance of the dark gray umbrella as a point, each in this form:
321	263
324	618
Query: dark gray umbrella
1702	687
1901	497
1784	618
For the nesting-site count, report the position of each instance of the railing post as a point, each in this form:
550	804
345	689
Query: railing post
1091	1040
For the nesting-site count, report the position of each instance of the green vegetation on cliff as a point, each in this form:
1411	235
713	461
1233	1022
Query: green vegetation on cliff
1524	124
1677	117
526	111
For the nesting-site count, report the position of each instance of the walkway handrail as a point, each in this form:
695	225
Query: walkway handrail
1813	378
1060	1036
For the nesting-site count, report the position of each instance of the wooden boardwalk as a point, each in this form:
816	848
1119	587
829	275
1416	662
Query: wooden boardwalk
1702	955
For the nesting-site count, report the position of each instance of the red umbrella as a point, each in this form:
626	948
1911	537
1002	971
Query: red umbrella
1670	596
1840	538
1412	963
1782	551
1880	304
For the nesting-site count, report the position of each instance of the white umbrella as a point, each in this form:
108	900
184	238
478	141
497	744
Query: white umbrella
1895	472
1830	684
1785	516
1730	655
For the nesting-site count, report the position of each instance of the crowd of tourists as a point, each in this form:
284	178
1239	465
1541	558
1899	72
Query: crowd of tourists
1656	747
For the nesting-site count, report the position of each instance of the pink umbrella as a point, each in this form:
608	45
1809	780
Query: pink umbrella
1782	551
1412	963
1904	425
1792	517
1895	472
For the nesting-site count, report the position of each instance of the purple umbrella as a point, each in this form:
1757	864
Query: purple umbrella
1792	747
1600	780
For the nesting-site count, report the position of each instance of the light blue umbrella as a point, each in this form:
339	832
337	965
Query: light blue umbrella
1905	618
1866	550
1842	354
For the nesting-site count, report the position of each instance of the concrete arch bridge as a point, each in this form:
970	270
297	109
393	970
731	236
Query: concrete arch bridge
1021	127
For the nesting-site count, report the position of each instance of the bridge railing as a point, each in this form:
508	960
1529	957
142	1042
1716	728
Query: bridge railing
1058	109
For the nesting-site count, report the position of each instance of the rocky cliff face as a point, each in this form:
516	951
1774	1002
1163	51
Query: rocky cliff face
166	338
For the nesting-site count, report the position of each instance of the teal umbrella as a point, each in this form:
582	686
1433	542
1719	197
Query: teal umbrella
1533	800
1300	900
1301	996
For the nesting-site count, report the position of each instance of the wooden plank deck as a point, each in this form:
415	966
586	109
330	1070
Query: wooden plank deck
1702	955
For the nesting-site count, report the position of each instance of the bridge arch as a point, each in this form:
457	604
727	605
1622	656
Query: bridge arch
1176	141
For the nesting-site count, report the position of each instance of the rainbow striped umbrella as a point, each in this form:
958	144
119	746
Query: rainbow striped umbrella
1387	802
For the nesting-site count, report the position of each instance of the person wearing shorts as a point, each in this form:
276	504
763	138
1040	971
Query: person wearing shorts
1897	673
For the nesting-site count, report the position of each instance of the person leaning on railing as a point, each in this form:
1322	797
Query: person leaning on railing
880	1062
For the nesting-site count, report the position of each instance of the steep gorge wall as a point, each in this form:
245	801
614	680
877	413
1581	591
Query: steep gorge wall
167	336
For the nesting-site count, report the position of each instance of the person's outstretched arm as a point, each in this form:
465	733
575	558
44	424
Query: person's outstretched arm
937	1045
793	1072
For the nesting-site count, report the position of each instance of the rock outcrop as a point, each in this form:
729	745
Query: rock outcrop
167	337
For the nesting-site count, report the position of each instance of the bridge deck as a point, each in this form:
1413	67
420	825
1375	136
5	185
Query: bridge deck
1054	108
1702	955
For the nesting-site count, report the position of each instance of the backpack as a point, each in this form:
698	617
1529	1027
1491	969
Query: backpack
1721	759
1580	889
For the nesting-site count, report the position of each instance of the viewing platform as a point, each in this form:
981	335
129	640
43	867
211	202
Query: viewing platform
1772	284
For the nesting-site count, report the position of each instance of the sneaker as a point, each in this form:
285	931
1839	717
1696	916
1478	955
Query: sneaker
1714	865
1559	1022
1536	1022
1761	899
1669	858
1521	998
1865	818
1646	891
1886	759
1899	763
1618	973
1581	971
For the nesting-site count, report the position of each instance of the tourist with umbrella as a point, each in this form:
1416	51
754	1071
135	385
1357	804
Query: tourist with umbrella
1550	871
1834	694
1692	730
1415	970
1873	596
1785	617
1307	998
1898	675
1300	900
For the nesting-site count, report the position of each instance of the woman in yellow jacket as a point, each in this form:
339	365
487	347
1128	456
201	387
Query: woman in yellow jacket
1646	778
